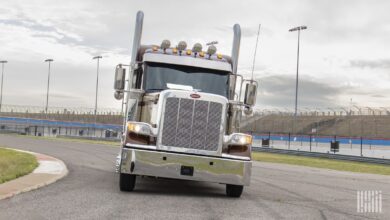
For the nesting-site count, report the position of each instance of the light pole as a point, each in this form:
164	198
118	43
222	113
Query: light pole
2	78
97	82
361	127
48	84
299	28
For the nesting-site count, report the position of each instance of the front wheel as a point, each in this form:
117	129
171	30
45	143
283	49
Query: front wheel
126	182
234	190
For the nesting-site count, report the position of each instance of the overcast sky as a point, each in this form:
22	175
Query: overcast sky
344	51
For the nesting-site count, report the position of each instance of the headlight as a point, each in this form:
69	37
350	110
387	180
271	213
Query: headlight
240	139
139	133
238	144
139	128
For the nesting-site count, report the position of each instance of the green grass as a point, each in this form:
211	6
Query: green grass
359	167
14	164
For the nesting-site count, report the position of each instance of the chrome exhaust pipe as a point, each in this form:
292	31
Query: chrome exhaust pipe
136	45
234	57
236	47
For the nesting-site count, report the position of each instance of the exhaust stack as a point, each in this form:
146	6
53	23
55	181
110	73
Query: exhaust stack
136	45
236	47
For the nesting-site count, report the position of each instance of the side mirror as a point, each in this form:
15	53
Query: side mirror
120	75
250	94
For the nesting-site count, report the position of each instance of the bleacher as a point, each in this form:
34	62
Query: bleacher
373	126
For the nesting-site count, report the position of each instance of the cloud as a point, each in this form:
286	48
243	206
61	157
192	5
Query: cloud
247	31
42	30
67	96
73	31
372	64
279	90
378	96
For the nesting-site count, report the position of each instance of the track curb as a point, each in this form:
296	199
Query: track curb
49	171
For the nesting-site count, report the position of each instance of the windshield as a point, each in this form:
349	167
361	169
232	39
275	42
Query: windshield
160	76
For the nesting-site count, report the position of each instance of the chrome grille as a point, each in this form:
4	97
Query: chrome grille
192	124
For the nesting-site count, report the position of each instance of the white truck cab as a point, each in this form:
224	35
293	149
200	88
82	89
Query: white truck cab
183	113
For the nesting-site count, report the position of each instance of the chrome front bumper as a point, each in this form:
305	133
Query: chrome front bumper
169	165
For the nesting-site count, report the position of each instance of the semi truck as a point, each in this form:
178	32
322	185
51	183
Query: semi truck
183	108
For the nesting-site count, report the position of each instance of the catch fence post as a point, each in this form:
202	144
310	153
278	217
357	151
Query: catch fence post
289	139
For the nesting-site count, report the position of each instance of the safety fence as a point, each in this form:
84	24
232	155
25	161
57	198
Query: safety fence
356	146
84	115
40	127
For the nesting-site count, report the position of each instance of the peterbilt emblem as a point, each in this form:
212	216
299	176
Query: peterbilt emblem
195	96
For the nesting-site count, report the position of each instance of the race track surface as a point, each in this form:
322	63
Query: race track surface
91	191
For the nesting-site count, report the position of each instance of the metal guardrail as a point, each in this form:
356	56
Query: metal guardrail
43	122
323	155
57	109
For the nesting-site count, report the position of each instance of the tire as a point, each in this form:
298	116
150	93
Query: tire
126	182
234	190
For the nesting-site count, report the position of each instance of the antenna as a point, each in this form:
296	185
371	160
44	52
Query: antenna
254	57
212	43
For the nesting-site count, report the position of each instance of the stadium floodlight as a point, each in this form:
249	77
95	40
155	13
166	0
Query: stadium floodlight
299	28
97	82
2	78
48	85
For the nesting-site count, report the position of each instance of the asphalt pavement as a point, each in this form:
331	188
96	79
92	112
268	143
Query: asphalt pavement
91	191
